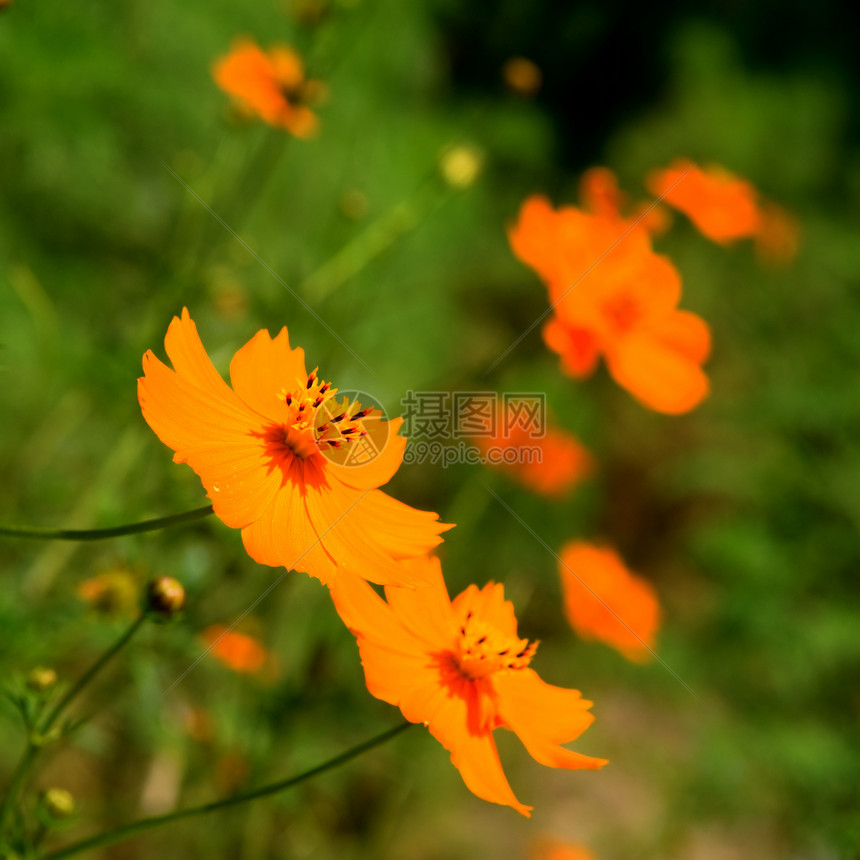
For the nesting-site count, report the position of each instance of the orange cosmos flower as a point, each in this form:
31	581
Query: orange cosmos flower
600	195
272	85
551	849
613	296
550	464
460	668
283	460
603	600
721	206
236	650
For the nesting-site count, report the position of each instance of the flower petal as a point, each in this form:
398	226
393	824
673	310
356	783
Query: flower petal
473	754
684	332
298	120
532	239
543	716
369	533
286	66
525	700
190	360
426	610
381	468
215	433
283	536
721	206
576	346
488	604
404	531
657	373
604	600
263	368
396	662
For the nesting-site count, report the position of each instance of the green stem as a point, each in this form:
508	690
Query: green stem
122	833
39	735
101	534
18	779
373	241
235	207
91	673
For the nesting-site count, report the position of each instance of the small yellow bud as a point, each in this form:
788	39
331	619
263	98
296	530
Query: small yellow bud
41	679
165	597
461	165
58	803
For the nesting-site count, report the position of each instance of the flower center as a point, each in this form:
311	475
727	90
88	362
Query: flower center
483	649
293	94
623	312
317	422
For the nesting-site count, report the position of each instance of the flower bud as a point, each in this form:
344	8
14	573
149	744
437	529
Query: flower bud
354	204
58	803
461	165
41	679
165	597
522	76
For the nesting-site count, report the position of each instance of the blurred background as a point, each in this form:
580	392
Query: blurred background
744	513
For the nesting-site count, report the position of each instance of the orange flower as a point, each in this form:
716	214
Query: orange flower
721	206
604	600
114	592
272	85
613	296
240	652
550	464
552	849
600	195
282	460
460	668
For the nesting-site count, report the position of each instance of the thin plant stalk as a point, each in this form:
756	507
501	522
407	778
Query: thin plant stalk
91	673
371	242
31	533
19	777
39	734
121	834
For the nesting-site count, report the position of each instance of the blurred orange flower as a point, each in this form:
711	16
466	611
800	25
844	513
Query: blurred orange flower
283	461
552	849
603	600
114	592
613	296
600	195
721	206
459	667
271	85
236	650
550	464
